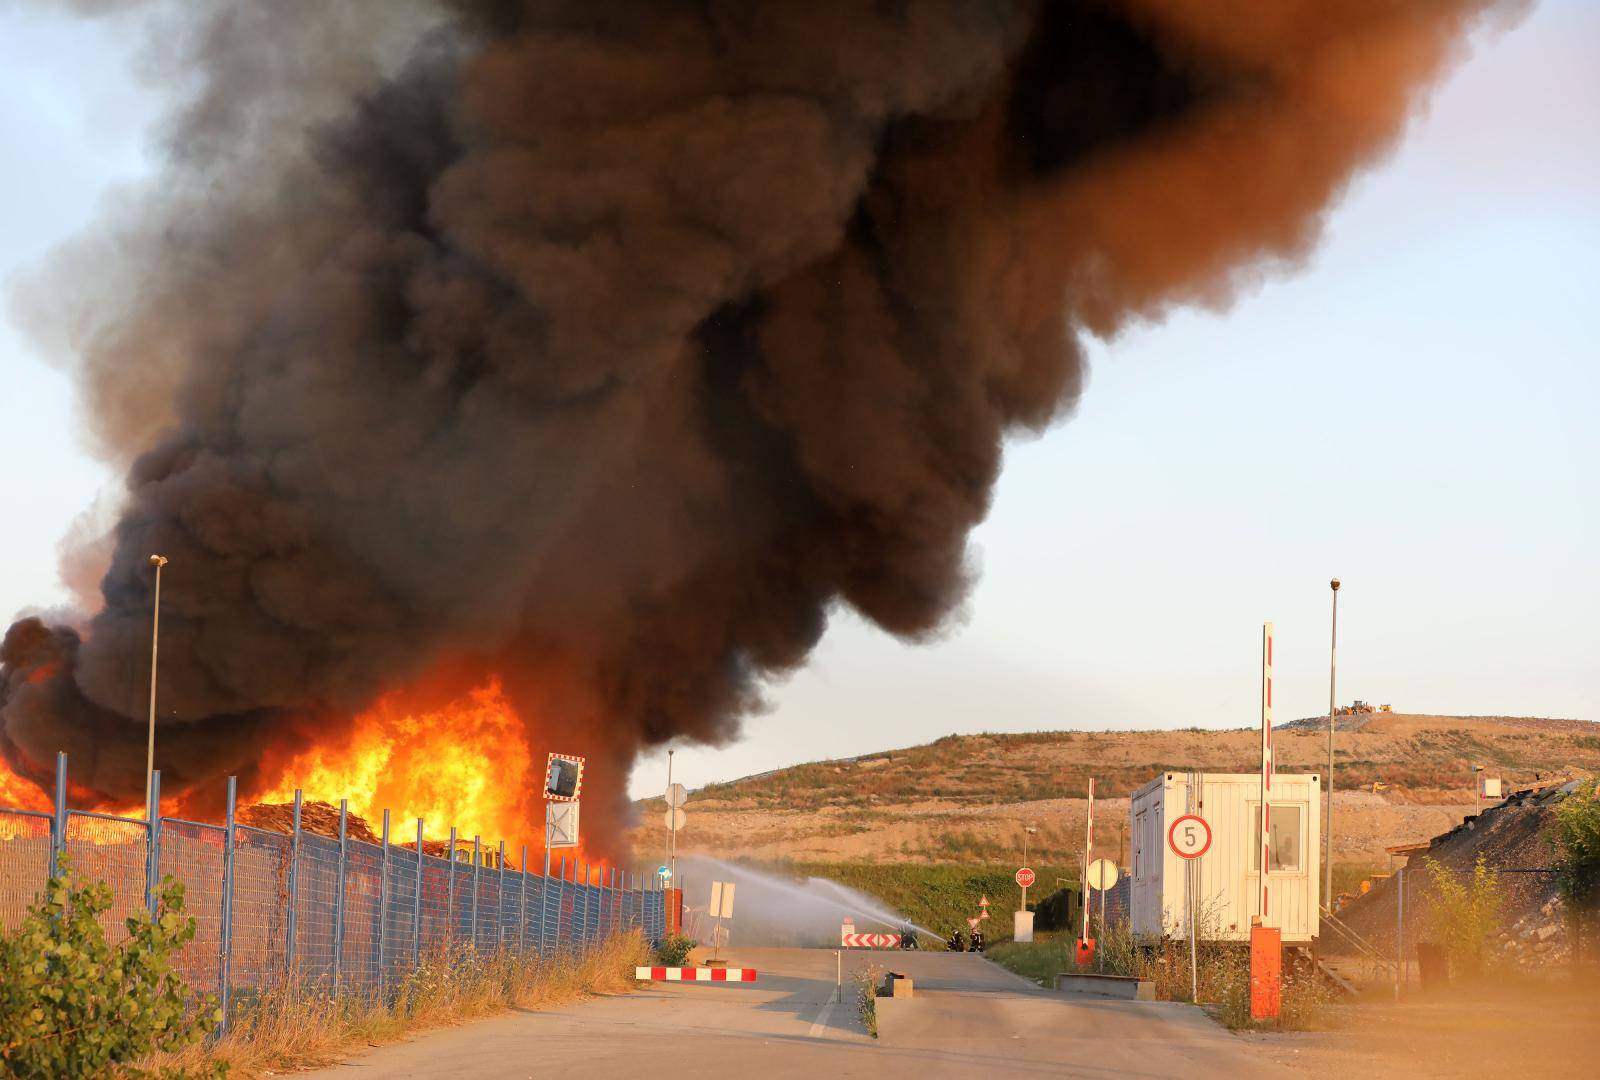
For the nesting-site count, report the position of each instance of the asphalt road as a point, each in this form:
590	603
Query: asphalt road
969	1018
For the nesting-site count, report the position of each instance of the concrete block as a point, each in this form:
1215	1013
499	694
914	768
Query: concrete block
1123	987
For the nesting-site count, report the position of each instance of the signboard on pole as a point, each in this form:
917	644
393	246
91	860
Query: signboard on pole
563	779
1025	877
674	819
1103	874
1189	837
677	795
561	824
721	906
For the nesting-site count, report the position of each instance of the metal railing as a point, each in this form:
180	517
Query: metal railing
353	916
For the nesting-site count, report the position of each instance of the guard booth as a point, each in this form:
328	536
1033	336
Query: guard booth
1229	890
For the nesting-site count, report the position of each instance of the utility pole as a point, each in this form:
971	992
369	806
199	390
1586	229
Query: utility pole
1327	818
158	561
672	827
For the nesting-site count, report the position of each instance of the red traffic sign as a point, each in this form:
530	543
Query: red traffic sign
983	901
1024	877
1189	837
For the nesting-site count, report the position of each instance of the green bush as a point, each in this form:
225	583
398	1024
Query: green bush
1465	913
674	949
1577	839
73	1004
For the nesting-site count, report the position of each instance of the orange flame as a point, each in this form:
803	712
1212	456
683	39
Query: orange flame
465	765
20	793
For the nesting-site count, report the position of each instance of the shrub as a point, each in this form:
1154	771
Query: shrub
1577	838
673	950
1465	914
73	1004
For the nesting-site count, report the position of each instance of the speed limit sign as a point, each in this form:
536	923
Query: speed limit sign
1189	837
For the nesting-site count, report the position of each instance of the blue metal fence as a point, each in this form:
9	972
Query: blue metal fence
356	916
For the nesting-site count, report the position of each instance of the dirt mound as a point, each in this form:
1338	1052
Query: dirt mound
1513	838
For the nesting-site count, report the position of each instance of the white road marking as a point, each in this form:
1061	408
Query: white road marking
821	1023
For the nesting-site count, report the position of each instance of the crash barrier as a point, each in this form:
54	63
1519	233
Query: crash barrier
694	974
350	915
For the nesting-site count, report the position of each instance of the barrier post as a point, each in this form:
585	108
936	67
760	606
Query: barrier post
294	887
225	960
338	898
152	874
500	905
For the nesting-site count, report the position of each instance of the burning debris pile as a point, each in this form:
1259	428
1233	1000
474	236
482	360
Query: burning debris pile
602	351
315	817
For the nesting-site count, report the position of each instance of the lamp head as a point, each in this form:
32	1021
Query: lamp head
1334	584
158	560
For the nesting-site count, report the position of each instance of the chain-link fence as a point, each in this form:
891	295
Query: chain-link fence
352	916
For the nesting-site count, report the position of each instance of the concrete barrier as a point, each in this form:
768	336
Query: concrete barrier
1125	987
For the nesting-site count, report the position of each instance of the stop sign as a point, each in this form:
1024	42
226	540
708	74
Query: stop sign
1025	877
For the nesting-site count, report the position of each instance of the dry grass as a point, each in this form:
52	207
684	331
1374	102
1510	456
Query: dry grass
298	1026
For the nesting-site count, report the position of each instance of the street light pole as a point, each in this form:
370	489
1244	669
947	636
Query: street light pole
672	827
1027	831
1327	818
158	561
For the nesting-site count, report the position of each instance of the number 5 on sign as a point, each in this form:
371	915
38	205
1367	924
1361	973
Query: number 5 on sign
1189	837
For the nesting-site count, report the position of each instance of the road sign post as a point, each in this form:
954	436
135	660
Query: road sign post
1103	876
1189	837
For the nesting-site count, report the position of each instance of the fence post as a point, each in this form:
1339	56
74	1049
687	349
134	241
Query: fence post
500	905
225	961
416	916
383	899
152	876
561	894
58	828
477	859
522	899
294	887
450	900
338	899
544	905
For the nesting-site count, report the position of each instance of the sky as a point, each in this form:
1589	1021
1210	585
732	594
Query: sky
1411	411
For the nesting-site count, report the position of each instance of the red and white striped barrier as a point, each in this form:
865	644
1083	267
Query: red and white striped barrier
869	941
694	974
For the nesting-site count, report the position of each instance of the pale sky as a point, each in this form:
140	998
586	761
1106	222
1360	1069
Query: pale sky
1411	412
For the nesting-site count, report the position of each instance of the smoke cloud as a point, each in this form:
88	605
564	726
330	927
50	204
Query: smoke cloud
611	347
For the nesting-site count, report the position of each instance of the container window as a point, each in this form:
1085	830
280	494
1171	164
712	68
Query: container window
1284	831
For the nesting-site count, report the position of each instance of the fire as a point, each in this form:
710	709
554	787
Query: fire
466	765
20	793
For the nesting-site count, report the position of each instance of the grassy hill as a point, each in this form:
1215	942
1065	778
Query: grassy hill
965	799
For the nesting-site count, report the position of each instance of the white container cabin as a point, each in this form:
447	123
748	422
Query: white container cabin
1229	882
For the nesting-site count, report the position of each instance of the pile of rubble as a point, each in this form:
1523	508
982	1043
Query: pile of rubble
315	817
1513	839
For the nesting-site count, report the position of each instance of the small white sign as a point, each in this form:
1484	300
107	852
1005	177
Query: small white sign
1102	874
560	824
674	819
721	906
677	795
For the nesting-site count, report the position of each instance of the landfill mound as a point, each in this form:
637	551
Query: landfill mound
1513	837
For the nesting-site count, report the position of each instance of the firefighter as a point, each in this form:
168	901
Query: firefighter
956	944
977	942
908	938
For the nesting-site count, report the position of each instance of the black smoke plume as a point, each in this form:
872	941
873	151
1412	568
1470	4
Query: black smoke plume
612	346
